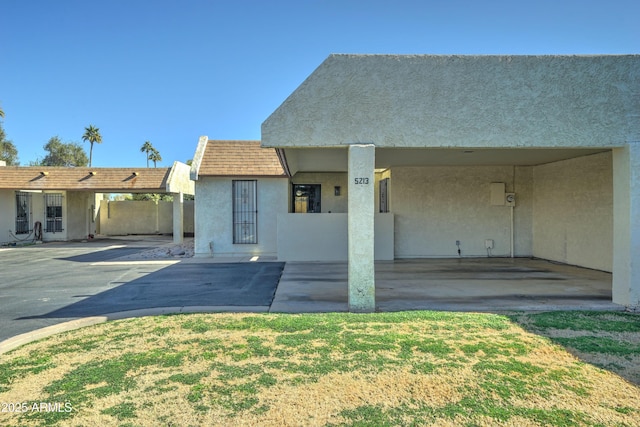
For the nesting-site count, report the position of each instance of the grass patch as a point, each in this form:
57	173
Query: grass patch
409	368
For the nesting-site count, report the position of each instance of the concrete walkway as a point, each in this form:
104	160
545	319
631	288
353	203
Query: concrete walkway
467	284
72	285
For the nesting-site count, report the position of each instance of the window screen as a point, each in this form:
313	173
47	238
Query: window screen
23	212
53	212
384	195
245	212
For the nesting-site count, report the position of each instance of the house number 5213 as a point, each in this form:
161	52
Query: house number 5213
361	181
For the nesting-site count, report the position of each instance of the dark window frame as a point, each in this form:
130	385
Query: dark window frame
311	192
53	212
23	212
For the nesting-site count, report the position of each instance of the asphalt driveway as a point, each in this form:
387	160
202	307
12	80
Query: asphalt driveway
52	283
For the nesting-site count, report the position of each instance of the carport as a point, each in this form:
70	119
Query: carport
61	203
510	156
464	284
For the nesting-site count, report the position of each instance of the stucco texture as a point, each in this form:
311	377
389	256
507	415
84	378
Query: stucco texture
573	211
436	206
462	101
214	217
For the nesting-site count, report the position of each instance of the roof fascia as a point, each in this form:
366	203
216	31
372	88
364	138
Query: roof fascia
198	156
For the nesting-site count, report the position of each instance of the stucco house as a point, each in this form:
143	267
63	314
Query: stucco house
61	203
240	189
417	156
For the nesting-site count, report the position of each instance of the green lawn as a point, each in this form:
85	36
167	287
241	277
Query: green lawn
385	369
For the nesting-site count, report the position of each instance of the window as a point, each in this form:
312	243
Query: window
306	198
23	212
245	212
384	195
53	212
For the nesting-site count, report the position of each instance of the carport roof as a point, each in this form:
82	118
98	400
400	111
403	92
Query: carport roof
84	178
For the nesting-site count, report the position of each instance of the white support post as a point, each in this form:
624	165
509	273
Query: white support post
361	210
626	225
178	218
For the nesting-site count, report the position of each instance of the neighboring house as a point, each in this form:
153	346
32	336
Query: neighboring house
493	155
240	190
60	203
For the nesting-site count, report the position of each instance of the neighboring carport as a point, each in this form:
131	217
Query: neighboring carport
63	200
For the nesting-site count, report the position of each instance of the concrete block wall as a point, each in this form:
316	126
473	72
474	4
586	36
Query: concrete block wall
141	217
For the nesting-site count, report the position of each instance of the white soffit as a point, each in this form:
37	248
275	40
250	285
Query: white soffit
335	159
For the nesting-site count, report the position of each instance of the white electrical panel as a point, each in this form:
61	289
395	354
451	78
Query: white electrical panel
497	193
488	244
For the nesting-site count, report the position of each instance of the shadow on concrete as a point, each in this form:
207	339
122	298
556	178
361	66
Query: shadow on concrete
182	285
106	254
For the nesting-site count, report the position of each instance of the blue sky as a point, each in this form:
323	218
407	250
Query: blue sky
170	71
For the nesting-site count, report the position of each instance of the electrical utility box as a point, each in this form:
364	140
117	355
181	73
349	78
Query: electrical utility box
497	193
510	199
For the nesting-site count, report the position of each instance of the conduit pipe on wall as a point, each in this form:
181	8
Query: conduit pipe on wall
512	225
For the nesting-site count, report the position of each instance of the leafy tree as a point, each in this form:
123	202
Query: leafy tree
64	154
155	156
147	148
8	151
92	134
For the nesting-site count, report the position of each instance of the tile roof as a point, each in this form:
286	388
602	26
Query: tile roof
81	178
239	158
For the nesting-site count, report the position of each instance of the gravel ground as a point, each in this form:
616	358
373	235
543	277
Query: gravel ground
166	251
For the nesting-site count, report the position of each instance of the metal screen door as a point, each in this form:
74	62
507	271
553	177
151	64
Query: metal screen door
245	212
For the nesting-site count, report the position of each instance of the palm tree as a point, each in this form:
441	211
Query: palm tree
92	134
1	112
147	148
155	156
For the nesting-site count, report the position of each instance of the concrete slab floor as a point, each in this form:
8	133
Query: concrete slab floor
462	284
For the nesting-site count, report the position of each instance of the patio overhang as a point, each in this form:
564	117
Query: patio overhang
334	159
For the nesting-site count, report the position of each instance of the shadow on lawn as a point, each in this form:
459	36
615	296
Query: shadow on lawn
181	285
607	340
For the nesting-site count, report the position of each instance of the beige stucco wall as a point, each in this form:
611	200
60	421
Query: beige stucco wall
573	211
329	201
462	101
323	237
79	222
213	216
119	218
435	206
7	215
179	180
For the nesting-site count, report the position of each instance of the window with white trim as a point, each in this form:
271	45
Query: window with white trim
245	211
53	212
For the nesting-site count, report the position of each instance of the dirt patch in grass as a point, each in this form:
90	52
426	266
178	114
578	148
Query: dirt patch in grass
426	368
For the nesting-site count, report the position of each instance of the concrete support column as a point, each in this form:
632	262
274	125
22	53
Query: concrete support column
361	205
178	217
626	225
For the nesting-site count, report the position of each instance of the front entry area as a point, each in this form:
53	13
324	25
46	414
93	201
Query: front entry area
463	284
